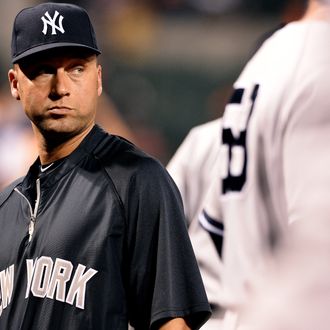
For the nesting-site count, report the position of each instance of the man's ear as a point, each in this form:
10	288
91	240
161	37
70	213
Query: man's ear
99	80
12	77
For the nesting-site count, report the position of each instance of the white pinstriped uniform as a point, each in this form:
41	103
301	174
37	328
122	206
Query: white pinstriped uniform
275	155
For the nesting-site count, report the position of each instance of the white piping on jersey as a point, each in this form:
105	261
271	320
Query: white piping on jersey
33	212
208	226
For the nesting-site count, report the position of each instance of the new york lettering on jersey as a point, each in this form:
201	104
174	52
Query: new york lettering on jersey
6	287
48	279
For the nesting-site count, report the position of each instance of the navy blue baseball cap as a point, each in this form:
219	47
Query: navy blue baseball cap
51	25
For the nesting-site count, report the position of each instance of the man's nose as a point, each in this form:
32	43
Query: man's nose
60	84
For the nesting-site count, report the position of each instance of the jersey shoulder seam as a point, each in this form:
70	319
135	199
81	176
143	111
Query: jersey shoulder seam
5	194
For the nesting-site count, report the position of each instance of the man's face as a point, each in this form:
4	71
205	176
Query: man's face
58	90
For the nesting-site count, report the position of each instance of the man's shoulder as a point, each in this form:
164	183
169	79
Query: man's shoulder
115	150
207	130
278	56
130	172
4	195
121	158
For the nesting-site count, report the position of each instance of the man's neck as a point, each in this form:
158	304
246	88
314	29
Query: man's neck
49	151
317	11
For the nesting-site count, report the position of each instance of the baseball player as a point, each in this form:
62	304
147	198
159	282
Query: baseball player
193	167
274	159
93	237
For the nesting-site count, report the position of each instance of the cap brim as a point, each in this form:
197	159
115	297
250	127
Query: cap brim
42	48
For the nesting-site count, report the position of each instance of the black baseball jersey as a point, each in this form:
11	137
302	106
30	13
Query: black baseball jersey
97	241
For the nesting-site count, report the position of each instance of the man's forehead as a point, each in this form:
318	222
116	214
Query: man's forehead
58	54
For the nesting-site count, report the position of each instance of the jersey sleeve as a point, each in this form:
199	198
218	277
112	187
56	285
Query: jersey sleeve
211	215
163	278
306	160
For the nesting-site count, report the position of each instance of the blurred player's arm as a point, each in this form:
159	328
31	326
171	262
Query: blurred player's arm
178	167
211	216
194	163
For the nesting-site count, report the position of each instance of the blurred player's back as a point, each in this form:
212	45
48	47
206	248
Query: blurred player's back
275	130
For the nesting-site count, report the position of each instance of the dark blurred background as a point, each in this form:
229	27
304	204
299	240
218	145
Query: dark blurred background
168	65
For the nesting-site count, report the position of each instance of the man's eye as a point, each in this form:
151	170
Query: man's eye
41	71
38	71
44	70
77	70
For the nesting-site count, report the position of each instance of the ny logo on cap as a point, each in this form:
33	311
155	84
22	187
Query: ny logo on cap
52	22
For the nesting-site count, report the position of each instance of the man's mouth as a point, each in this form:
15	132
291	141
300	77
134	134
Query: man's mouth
60	110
